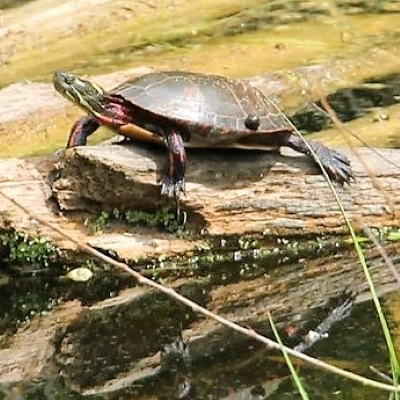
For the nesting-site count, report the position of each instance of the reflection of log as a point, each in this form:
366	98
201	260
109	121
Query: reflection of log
114	343
234	191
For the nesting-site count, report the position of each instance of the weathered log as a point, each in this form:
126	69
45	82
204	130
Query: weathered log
235	192
25	182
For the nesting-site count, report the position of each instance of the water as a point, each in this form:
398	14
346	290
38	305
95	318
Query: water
119	340
239	40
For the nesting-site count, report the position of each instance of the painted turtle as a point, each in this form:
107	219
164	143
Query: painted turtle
183	109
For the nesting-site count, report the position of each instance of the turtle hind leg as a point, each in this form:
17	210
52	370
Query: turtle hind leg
337	165
173	179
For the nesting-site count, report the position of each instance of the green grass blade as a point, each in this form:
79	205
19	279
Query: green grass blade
389	342
295	376
394	363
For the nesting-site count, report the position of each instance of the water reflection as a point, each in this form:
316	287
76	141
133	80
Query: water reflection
129	347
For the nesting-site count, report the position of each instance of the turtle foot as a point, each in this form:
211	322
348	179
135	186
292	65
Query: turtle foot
172	188
173	182
337	166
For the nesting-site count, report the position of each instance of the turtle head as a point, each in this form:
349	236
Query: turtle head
85	94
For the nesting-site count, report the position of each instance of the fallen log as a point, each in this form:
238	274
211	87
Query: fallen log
24	184
235	192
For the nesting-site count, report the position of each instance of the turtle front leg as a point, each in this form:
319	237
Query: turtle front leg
173	179
82	128
337	165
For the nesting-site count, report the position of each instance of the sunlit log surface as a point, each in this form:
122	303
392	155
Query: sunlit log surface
235	192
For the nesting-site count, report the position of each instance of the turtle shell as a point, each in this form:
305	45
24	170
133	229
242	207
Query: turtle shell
205	108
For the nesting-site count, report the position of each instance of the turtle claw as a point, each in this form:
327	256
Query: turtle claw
338	167
172	188
336	164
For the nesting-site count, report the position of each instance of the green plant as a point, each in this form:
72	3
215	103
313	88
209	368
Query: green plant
22	248
163	219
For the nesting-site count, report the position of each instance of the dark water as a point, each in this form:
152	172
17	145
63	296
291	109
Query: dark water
351	103
112	341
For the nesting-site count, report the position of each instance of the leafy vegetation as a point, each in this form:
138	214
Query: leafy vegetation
19	247
164	220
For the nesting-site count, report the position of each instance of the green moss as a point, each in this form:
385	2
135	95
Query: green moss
164	220
382	234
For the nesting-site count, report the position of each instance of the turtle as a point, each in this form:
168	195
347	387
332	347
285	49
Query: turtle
189	109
